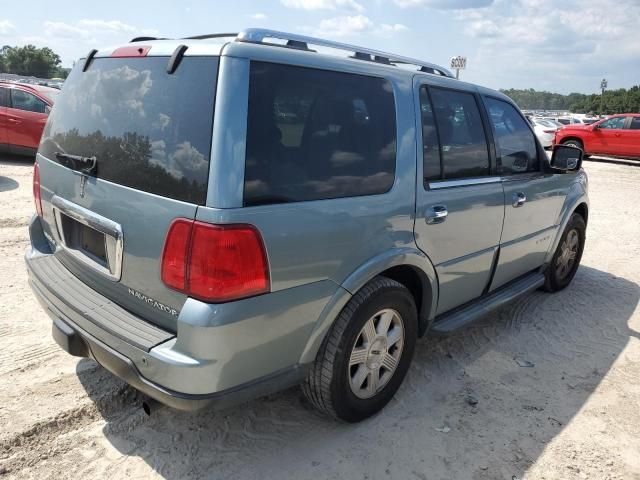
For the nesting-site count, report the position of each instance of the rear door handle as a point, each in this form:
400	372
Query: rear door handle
518	199
436	214
13	120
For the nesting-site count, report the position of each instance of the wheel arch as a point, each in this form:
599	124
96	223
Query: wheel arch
574	137
577	201
408	266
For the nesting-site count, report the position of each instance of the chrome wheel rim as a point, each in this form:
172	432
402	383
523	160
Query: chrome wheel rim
568	254
376	353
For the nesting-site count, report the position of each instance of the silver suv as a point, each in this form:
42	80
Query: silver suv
222	217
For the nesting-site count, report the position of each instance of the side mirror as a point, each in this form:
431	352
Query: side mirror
596	127
566	158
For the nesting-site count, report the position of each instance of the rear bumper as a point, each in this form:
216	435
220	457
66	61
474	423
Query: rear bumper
221	354
79	343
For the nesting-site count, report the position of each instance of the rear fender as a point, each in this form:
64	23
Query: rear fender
360	277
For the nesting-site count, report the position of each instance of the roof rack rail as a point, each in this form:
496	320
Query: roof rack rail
145	39
211	35
259	35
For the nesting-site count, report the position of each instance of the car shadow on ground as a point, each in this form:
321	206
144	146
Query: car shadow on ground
482	403
15	159
7	183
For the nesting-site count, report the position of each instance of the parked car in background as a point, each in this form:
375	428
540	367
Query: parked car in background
617	135
23	113
203	273
545	130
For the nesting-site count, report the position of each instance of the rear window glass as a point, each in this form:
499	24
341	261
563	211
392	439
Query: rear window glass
147	129
315	134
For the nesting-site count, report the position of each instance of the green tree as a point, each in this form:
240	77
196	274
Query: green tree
615	101
29	60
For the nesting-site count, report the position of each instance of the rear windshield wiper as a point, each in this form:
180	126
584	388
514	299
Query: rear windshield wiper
77	162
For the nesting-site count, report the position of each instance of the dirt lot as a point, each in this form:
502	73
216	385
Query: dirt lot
573	414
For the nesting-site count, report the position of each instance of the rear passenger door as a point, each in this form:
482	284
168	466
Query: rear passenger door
532	198
459	200
630	138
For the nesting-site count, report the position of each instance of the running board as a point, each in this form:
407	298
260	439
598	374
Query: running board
458	318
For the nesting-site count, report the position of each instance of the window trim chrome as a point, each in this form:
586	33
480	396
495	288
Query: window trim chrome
463	182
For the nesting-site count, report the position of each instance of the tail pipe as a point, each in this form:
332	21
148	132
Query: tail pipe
151	406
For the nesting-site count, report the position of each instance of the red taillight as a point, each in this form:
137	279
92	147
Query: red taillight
215	263
36	189
175	254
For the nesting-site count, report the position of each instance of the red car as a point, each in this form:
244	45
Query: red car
23	113
617	135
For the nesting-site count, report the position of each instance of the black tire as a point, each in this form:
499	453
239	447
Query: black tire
327	385
557	278
574	143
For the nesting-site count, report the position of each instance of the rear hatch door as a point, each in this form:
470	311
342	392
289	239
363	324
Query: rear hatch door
126	151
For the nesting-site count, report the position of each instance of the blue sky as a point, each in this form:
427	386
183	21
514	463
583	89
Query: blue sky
561	46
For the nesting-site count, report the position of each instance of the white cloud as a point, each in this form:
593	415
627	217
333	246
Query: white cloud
64	30
259	16
6	27
347	26
324	5
107	25
344	26
391	28
444	4
543	43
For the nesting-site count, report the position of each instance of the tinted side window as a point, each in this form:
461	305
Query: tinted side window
26	101
4	97
516	146
635	123
615	123
431	167
315	134
462	138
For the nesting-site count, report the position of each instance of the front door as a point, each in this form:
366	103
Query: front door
459	200
607	137
532	198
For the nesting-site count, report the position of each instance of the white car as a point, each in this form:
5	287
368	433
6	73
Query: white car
545	130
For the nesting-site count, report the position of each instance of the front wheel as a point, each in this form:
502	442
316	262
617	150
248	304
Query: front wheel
566	259
366	354
577	144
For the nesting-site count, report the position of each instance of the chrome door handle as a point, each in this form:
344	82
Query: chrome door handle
518	199
436	214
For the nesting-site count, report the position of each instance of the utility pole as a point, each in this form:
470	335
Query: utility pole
603	87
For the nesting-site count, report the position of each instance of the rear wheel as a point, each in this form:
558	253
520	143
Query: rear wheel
566	258
366	354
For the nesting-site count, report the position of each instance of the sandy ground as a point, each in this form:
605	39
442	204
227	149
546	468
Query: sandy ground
573	414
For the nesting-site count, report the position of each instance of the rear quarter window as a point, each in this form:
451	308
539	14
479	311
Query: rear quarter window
315	134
